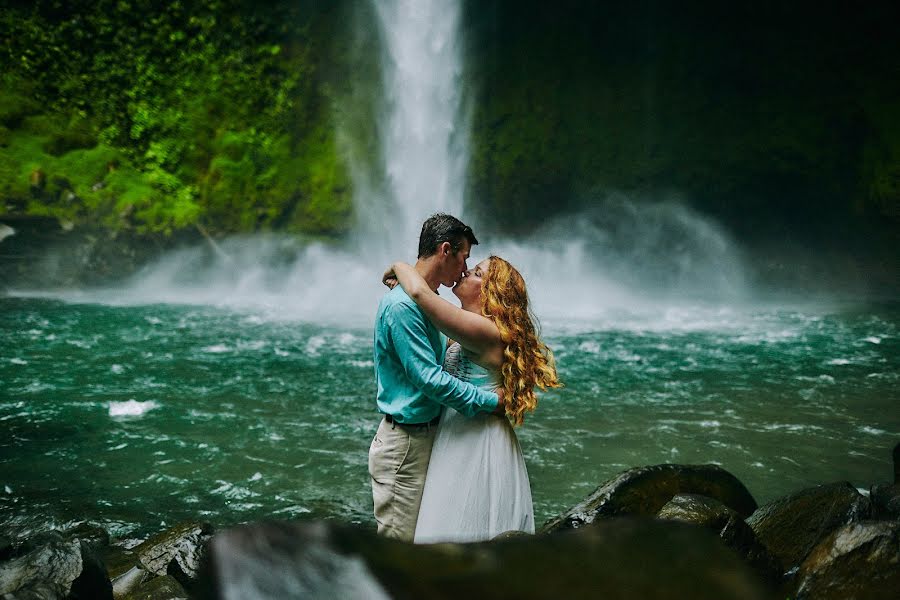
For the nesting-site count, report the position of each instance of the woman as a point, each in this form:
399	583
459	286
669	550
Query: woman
477	484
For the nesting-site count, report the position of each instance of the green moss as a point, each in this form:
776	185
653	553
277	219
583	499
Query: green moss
191	112
325	187
15	105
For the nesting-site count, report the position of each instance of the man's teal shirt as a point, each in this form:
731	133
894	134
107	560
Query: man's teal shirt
409	352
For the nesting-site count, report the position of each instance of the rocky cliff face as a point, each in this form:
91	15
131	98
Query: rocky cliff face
780	121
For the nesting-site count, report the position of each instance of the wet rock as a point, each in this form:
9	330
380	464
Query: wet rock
119	560
885	499
159	588
94	536
56	569
729	526
93	581
177	552
37	590
52	567
644	490
859	560
897	463
125	583
26	545
6	548
627	558
792	526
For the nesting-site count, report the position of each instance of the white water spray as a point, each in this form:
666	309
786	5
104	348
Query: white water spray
6	231
620	257
422	123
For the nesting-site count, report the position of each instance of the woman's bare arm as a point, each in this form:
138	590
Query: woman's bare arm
474	332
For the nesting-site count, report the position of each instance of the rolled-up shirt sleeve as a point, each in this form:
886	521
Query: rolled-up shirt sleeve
410	338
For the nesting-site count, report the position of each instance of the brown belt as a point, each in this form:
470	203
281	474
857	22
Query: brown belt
430	423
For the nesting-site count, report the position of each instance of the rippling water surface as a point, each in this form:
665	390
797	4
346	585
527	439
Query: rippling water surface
137	417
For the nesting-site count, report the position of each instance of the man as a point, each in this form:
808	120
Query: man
412	386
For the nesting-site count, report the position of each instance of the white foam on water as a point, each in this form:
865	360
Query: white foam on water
18	361
362	364
217	349
117	369
38	386
7	489
314	343
589	347
295	509
131	408
873	340
254	345
233	492
839	362
256	477
872	430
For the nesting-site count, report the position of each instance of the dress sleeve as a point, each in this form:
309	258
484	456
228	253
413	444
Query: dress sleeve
409	335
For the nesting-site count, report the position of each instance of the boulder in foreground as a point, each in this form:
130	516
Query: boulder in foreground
859	560
792	526
730	527
643	491
622	559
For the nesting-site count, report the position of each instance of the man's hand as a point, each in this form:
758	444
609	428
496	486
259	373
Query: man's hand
390	278
501	403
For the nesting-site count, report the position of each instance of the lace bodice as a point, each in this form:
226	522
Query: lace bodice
458	364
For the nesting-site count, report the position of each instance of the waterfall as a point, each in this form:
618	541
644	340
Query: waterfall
422	126
622	254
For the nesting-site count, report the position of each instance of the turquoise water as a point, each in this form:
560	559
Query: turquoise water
137	417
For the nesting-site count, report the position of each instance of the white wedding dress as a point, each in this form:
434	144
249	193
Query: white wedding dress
477	484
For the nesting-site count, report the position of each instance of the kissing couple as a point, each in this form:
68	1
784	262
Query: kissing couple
445	463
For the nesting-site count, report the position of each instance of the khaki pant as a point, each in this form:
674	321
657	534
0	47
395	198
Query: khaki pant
398	461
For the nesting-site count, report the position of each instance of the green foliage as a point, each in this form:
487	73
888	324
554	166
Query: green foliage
161	117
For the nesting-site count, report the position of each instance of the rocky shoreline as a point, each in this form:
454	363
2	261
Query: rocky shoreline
662	531
44	253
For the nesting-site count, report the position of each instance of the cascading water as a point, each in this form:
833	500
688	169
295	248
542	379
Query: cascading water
622	253
424	128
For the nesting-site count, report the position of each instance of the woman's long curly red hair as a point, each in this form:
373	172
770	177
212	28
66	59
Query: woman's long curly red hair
527	361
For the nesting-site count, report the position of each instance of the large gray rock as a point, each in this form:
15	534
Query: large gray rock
637	558
885	499
125	583
792	526
159	588
860	560
177	552
644	490
94	536
56	569
729	526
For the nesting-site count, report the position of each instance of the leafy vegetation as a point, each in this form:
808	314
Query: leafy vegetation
156	117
